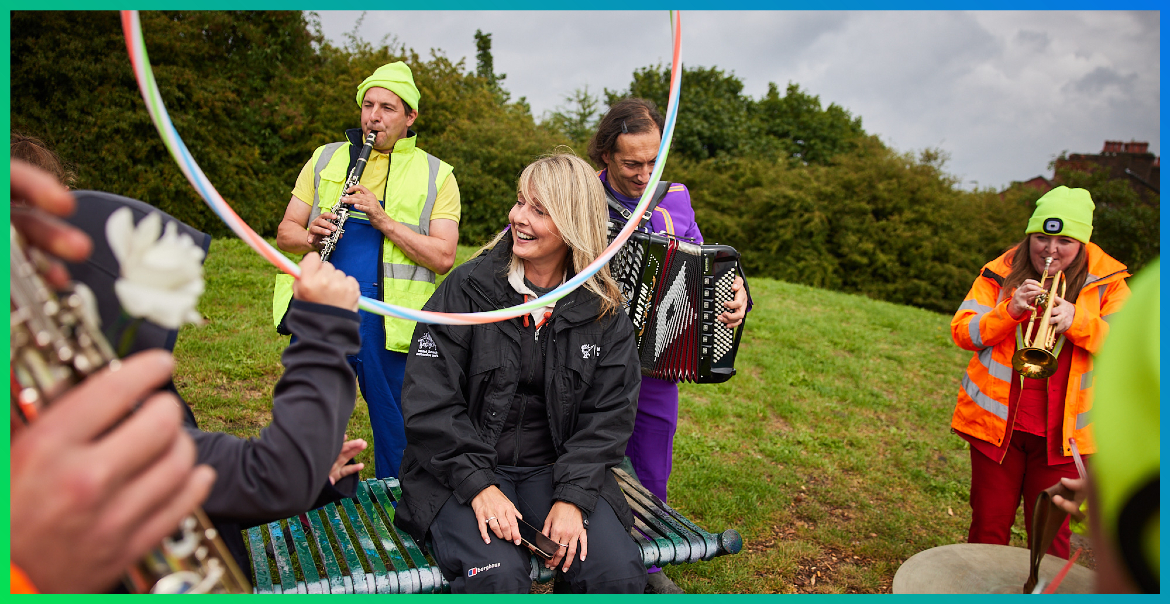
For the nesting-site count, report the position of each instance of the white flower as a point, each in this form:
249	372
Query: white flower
161	278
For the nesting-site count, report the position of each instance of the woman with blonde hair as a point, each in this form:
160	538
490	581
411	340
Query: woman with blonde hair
512	427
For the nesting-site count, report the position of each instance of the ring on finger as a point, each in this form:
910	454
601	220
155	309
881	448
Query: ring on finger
490	519
563	544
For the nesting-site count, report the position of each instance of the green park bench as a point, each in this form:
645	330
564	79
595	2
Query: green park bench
352	546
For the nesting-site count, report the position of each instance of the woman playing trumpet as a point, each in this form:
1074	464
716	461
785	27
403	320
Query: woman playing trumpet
1019	427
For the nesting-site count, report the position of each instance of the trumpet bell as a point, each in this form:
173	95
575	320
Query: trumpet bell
1035	363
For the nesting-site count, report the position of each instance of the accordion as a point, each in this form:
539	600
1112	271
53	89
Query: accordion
673	292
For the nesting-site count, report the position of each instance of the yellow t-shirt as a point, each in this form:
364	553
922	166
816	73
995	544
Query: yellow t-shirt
374	179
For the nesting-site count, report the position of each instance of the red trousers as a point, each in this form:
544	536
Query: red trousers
996	490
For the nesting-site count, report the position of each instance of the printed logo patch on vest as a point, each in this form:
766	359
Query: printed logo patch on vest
426	348
471	572
1053	226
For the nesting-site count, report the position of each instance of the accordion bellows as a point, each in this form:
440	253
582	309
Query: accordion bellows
673	291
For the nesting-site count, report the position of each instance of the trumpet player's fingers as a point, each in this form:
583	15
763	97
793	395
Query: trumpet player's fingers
106	397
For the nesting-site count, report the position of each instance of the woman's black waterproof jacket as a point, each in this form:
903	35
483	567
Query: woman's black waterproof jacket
461	381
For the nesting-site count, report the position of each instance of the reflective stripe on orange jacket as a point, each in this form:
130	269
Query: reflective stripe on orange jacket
984	326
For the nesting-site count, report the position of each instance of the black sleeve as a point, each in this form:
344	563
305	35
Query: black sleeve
605	420
434	402
282	472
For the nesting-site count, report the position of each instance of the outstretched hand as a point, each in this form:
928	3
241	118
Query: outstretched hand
341	467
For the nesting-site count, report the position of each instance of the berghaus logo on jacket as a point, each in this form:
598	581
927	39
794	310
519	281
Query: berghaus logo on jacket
471	572
426	347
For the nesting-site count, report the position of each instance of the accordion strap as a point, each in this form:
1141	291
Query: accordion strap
614	204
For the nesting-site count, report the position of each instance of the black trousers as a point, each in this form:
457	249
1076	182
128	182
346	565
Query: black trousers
613	563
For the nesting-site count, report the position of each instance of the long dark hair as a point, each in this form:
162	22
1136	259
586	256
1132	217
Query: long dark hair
630	115
1021	269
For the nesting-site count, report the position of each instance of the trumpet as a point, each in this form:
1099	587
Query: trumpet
1035	359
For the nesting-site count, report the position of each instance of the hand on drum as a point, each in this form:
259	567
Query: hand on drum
566	527
737	308
495	512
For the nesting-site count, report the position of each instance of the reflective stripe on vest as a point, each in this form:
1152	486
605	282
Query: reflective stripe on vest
407	272
988	404
973	329
323	160
994	368
1083	420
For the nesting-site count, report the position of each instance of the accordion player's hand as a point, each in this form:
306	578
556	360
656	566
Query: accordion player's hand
737	307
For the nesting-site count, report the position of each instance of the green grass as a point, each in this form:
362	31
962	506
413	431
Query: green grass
830	451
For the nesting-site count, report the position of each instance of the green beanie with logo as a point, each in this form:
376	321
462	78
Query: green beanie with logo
395	77
1064	211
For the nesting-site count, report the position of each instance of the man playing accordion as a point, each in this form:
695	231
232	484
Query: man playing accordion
626	143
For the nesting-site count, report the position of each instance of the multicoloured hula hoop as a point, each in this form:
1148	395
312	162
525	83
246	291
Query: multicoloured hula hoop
136	46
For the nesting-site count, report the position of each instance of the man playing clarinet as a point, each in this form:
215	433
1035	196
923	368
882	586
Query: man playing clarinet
401	231
626	143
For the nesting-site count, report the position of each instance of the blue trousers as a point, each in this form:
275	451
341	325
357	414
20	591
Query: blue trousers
379	373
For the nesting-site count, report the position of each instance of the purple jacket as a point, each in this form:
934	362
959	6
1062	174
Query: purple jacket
673	216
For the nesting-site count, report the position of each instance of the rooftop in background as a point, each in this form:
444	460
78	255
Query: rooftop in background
1128	160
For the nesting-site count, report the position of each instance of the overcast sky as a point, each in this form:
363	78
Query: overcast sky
1001	92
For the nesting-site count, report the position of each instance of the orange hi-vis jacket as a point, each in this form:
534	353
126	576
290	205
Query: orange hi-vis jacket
983	325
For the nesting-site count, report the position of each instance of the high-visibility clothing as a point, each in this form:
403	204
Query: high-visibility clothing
987	400
413	183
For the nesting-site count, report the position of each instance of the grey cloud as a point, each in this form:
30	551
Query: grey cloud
1036	39
1096	81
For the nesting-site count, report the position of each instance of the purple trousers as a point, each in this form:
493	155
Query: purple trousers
651	445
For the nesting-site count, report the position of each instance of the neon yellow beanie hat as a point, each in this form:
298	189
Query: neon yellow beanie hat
395	77
1064	211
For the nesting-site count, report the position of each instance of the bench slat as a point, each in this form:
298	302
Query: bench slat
328	557
305	556
357	572
392	550
284	563
653	505
261	575
359	530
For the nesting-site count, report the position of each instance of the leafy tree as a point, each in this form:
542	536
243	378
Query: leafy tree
485	66
804	131
717	117
577	119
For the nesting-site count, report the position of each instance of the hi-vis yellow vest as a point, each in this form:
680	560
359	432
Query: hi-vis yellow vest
412	187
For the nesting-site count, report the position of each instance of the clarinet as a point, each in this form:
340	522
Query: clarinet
341	209
56	342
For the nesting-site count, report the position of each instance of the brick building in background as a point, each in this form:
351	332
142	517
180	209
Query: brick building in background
1131	161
